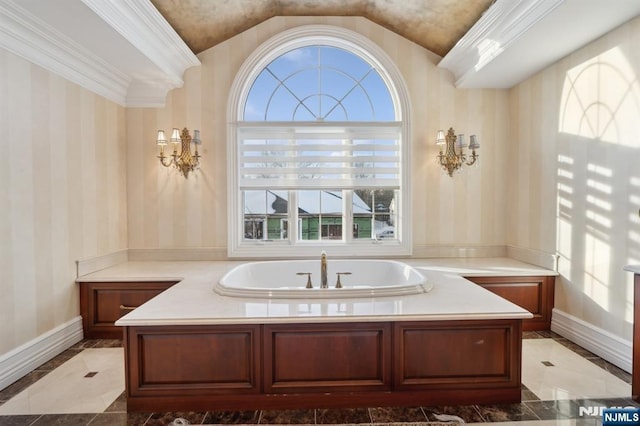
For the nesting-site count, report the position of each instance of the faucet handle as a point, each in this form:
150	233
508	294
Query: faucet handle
308	274
338	283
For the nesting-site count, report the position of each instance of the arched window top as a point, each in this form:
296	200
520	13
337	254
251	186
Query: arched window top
384	85
319	83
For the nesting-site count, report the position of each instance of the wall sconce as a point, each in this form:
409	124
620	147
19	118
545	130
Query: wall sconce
452	160
184	162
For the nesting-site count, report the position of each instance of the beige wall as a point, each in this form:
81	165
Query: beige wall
63	176
574	175
167	211
62	194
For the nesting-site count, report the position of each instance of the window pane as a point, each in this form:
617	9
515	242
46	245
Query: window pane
374	213
265	215
319	83
320	215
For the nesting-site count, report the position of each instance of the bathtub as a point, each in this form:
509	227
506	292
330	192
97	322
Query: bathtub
283	279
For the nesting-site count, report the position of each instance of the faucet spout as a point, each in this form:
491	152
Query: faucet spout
323	270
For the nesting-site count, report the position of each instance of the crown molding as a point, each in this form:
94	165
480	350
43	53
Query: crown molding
34	40
140	23
142	77
501	25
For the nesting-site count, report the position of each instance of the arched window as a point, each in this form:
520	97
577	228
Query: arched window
318	148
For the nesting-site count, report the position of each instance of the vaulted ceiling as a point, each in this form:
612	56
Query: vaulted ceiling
433	24
134	51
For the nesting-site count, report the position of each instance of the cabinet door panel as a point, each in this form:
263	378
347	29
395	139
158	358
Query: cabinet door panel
321	357
457	353
535	294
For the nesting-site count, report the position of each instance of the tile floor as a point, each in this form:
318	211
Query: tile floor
84	386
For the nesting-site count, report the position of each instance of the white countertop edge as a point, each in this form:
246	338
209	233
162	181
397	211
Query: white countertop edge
319	320
132	279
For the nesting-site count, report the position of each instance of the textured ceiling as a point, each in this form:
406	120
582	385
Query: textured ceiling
434	24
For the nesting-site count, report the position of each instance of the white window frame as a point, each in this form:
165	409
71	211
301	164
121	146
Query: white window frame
273	48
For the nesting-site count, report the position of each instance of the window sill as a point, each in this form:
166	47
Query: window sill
278	249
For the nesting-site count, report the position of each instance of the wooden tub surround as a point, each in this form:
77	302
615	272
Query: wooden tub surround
189	348
278	366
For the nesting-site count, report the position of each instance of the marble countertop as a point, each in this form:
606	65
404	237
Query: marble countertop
193	302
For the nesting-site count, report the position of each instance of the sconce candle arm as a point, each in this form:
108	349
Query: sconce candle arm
184	161
451	159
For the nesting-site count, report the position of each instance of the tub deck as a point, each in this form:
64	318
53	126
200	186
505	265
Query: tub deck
190	348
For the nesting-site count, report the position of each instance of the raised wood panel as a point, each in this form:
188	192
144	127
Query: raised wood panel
101	304
325	357
213	359
535	294
457	353
337	365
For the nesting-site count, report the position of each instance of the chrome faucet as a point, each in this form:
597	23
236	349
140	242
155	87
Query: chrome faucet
323	270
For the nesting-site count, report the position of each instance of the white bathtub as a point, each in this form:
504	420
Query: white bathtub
280	279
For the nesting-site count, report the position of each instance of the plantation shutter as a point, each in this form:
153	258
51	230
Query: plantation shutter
316	157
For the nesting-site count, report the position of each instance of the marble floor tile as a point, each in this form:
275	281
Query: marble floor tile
569	375
74	393
554	410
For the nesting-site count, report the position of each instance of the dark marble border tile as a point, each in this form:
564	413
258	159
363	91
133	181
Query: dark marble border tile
118	405
22	420
58	360
288	417
397	414
65	419
468	413
233	417
616	371
506	412
161	419
344	415
20	385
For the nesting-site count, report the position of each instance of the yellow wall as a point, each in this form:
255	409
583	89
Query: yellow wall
574	175
62	194
167	211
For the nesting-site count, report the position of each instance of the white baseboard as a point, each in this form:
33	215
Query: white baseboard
612	348
20	361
